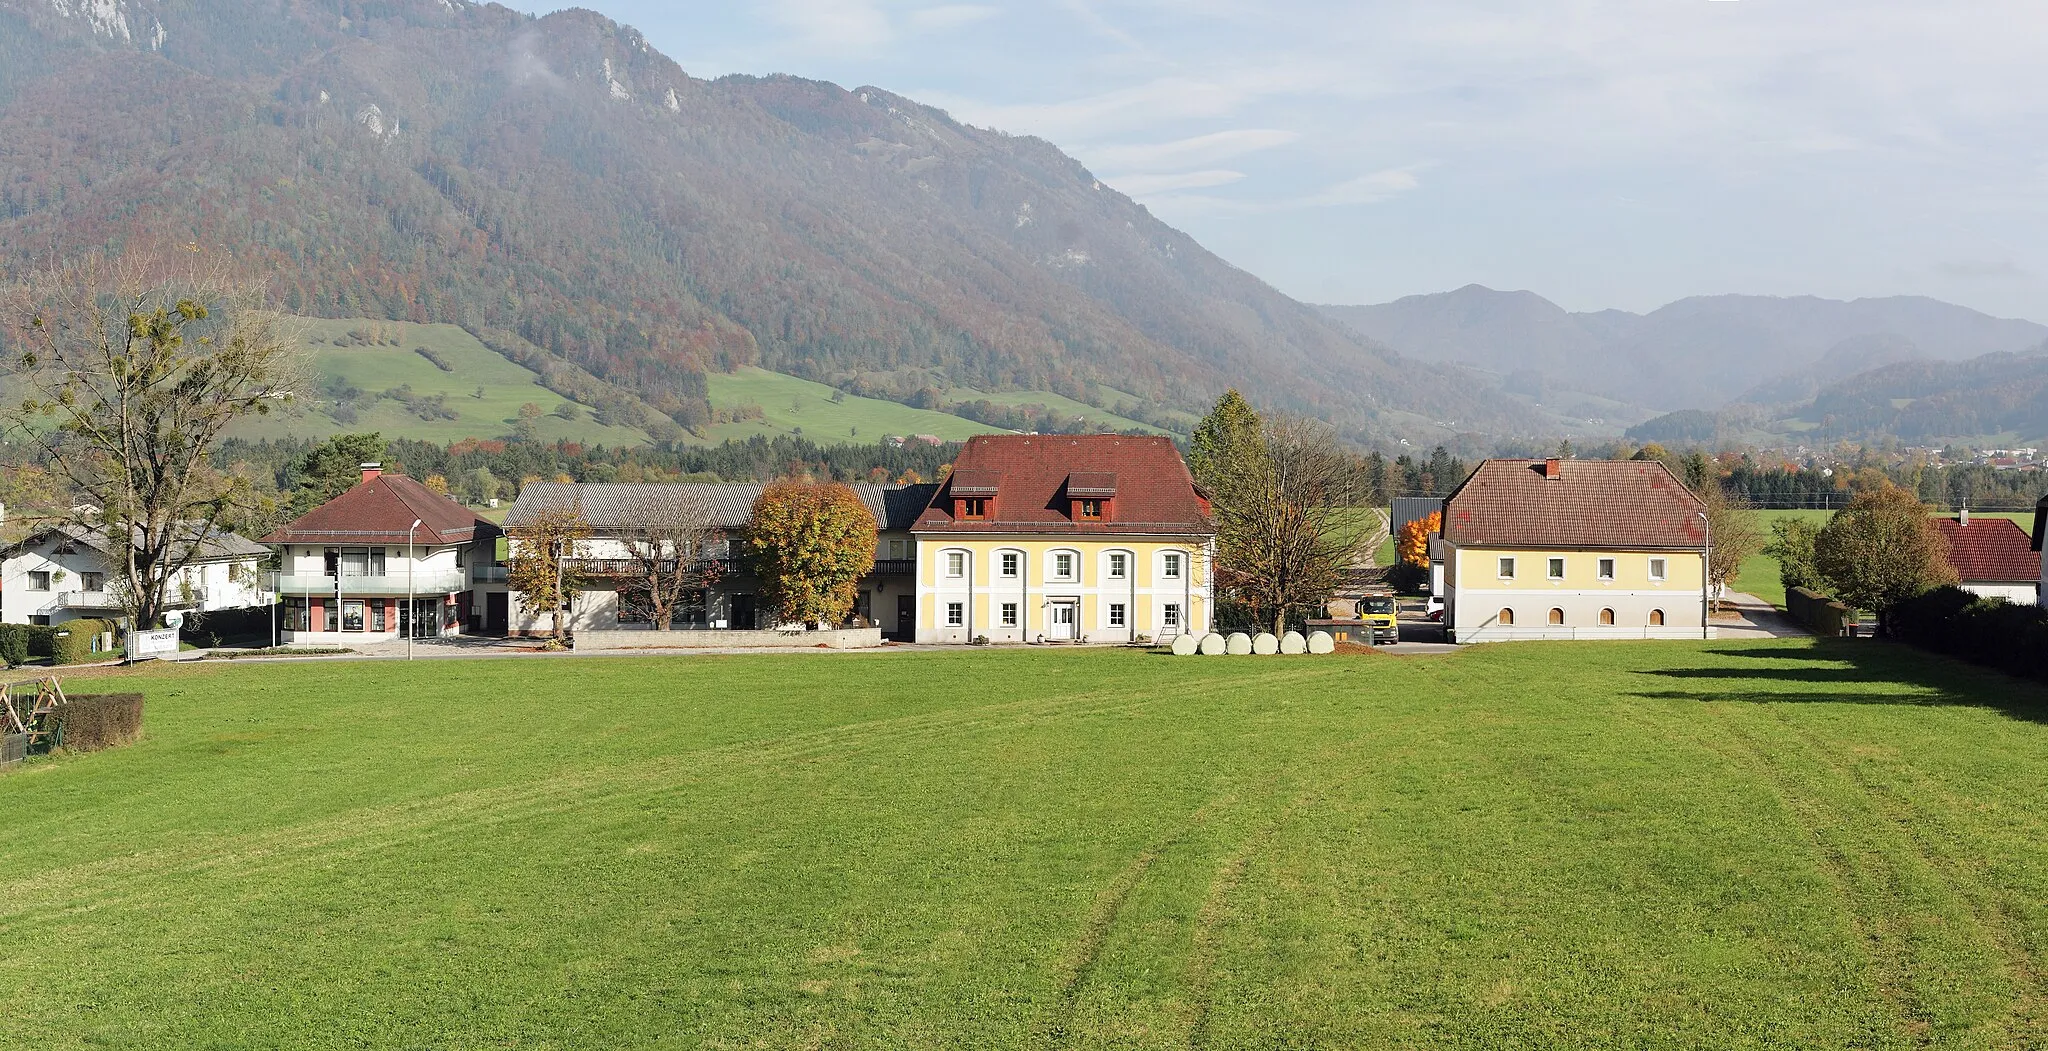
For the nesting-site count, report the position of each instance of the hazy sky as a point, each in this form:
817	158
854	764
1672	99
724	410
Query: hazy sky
1620	153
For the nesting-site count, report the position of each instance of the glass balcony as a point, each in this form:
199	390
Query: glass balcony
425	582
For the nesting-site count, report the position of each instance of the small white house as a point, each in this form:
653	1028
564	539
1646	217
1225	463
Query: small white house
1992	557
65	572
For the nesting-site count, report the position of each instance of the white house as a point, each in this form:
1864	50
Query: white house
1992	557
64	572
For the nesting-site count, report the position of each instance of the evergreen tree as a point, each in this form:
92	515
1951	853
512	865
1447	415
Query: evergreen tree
1230	430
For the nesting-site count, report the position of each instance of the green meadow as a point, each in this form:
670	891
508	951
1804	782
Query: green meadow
1791	844
797	406
1759	575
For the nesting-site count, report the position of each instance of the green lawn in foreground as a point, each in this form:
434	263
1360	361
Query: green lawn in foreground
1791	844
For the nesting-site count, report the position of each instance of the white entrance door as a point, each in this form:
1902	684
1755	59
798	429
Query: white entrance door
1066	621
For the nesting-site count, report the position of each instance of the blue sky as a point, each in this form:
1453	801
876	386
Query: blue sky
1621	153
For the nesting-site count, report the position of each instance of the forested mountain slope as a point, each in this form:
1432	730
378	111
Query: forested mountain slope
438	161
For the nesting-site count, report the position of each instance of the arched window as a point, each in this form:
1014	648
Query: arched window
1656	618
1557	616
1507	616
1606	616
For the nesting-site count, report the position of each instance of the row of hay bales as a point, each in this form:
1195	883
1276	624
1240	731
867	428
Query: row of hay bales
1241	644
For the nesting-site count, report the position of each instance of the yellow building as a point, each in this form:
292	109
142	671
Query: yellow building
1574	549
1097	538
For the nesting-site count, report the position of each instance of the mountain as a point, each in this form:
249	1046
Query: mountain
559	181
1696	353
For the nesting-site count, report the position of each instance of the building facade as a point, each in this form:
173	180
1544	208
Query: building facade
1096	538
2040	546
1992	557
65	572
1574	549
387	559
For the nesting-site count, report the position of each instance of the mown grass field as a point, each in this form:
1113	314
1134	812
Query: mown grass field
1759	573
1788	845
798	406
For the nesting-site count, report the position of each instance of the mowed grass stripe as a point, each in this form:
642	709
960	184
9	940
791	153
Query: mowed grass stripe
1518	846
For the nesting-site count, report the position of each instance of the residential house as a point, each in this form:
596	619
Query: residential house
617	512
64	572
1102	538
386	558
1993	557
1574	549
2041	534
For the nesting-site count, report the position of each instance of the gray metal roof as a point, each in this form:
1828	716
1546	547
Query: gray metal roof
609	506
217	546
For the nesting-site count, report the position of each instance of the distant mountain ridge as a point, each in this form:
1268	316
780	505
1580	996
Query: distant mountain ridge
557	178
1697	353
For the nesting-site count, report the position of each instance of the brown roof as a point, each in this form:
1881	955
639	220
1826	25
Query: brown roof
1033	477
1592	504
1990	551
379	510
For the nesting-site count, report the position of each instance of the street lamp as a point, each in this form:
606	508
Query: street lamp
1706	575
412	612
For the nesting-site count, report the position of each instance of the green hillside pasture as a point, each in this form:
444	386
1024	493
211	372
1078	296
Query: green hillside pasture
1759	575
1793	844
376	368
791	406
1067	408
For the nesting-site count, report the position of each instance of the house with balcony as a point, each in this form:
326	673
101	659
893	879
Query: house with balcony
618	512
385	560
1574	549
1058	538
64	572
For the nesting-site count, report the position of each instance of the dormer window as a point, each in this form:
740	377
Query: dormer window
1088	510
973	508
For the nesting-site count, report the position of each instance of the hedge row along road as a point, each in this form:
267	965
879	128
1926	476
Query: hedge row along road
1786	844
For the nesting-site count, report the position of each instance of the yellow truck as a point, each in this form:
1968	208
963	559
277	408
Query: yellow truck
1377	610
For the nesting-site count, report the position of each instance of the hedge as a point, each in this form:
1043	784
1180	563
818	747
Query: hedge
71	641
95	721
2004	635
13	645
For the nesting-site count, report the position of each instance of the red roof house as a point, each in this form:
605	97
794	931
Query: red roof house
1094	483
1992	555
379	510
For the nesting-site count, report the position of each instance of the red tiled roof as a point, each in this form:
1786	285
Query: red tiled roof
1032	475
1990	551
1592	504
379	510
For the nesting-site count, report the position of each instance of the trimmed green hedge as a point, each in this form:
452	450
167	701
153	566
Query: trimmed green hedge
13	645
2004	635
71	641
92	722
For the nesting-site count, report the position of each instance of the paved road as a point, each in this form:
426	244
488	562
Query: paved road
1757	619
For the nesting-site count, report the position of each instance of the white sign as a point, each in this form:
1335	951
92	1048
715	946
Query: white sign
143	645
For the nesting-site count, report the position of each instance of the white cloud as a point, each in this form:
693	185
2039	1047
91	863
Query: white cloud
1366	189
1146	185
1182	153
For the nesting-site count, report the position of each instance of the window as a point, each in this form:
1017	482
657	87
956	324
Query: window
39	580
1507	569
1656	618
1607	569
975	507
1010	564
1556	569
1557	616
1170	567
377	563
899	549
40	620
1009	614
1606	616
1119	566
1090	509
93	581
956	563
1169	616
332	615
1063	565
956	614
1116	614
377	616
1656	569
1507	616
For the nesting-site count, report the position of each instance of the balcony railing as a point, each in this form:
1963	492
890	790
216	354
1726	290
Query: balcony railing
895	567
439	581
488	574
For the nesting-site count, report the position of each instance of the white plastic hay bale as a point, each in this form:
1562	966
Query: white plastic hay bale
1186	645
1212	645
1321	642
1264	644
1238	645
1292	643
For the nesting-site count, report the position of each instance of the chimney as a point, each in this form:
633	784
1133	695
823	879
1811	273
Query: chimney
372	471
1963	517
1553	467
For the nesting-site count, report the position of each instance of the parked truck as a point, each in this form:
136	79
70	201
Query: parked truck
1377	610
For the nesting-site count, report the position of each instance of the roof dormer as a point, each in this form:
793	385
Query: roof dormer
1090	495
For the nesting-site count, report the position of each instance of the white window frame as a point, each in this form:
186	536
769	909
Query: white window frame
1118	615
1555	567
1170	616
1009	564
1659	569
956	614
1073	566
1504	567
1008	613
1119	566
48	580
1604	569
1172	564
956	565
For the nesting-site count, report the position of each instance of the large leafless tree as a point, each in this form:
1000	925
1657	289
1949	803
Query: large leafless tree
668	545
1291	519
126	374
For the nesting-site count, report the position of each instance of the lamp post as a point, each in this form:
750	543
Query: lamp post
1706	576
412	613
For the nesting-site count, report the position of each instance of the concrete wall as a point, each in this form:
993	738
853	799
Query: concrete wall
647	639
